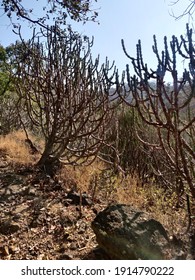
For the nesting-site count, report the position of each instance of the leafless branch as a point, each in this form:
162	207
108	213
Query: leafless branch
168	109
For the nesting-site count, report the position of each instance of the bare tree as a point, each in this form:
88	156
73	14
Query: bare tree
168	109
65	95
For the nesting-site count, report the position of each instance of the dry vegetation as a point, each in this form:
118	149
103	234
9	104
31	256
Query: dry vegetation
17	152
51	225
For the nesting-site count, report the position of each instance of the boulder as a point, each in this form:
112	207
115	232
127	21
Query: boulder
128	234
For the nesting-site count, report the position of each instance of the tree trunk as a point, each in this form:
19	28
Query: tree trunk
50	165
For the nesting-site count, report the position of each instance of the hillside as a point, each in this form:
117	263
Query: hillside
45	218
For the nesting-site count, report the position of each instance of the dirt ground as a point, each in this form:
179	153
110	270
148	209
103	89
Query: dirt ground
41	218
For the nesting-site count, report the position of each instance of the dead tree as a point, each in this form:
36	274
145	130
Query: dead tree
168	109
65	96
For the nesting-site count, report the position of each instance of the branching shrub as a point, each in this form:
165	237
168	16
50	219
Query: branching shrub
167	110
65	95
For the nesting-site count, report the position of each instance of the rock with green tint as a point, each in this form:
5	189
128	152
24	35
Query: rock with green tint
128	234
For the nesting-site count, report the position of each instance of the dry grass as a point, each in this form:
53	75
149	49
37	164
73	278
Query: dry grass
153	199
15	148
96	179
83	176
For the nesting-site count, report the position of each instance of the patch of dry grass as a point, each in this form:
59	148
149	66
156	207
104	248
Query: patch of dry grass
15	148
98	180
83	176
153	199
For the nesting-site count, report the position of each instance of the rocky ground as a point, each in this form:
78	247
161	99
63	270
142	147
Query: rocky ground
41	218
49	219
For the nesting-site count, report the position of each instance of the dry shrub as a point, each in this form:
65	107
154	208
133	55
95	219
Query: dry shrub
15	148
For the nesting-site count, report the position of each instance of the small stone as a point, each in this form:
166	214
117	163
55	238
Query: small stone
65	257
8	227
73	246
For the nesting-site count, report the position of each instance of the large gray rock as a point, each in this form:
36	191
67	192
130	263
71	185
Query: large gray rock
125	233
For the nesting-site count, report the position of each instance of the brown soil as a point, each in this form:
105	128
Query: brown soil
41	218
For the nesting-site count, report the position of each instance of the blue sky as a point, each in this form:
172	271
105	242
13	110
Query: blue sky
125	19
